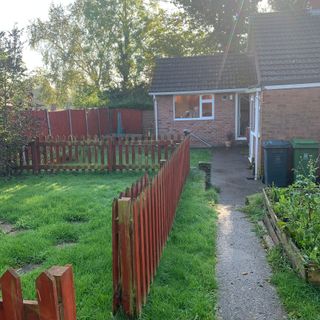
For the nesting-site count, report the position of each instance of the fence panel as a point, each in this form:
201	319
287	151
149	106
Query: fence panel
88	122
59	123
107	154
142	220
78	122
55	296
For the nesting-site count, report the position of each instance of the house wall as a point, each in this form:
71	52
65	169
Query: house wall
291	113
214	131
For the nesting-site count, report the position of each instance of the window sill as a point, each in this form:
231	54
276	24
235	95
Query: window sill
193	119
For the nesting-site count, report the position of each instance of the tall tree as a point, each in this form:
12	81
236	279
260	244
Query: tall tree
219	18
14	98
76	43
288	5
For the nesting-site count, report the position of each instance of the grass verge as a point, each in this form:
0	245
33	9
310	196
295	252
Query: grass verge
301	300
185	285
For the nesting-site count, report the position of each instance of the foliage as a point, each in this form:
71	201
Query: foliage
93	45
288	5
14	99
136	97
301	300
218	18
298	208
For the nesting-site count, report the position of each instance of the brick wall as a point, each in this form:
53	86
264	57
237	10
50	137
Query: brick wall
213	131
292	113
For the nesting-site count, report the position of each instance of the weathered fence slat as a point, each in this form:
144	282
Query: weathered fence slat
55	296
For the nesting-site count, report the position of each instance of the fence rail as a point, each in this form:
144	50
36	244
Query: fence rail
107	154
55	296
142	218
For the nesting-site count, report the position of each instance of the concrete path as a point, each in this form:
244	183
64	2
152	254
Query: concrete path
242	270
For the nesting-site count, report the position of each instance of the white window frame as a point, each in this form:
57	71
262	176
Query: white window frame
201	102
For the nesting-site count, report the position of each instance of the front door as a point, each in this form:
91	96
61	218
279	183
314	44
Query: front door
243	116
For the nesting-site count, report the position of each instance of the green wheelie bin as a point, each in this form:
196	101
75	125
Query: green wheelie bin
303	151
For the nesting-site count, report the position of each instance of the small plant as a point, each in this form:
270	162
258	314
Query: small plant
229	140
298	208
230	136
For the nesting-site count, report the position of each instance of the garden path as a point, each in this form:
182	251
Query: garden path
243	273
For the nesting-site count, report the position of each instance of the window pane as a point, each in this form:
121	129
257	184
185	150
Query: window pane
187	107
207	109
207	97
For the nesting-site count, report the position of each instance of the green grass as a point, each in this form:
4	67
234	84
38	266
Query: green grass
75	208
202	154
185	284
64	208
301	300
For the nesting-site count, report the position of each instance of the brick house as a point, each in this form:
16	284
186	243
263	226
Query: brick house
271	92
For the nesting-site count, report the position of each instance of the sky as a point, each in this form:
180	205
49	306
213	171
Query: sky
22	12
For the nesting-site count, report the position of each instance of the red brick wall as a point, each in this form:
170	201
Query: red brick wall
213	131
292	113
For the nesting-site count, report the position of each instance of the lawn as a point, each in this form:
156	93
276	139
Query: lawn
301	300
66	218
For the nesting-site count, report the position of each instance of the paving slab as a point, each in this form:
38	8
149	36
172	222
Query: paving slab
243	273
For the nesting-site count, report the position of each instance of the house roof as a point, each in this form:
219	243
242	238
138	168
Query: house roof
287	47
202	73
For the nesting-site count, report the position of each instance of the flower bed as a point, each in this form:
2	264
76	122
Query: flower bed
293	220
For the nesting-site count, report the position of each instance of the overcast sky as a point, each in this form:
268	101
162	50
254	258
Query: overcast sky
22	12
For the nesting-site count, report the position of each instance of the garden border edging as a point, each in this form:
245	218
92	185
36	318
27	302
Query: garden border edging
309	271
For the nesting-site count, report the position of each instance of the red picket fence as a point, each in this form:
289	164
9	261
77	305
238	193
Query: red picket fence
142	219
55	296
88	122
108	154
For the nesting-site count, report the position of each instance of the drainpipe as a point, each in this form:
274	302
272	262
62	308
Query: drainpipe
155	103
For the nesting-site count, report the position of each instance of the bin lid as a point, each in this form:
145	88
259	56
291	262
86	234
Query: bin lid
304	144
276	144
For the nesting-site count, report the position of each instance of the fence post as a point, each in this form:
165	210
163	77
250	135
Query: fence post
126	258
35	154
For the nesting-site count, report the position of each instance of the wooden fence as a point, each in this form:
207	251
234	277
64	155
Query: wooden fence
107	154
89	122
55	296
142	219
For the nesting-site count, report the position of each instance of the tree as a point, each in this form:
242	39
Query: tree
218	17
76	45
99	43
288	5
15	90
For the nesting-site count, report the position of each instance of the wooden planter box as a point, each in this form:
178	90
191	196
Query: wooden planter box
307	270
